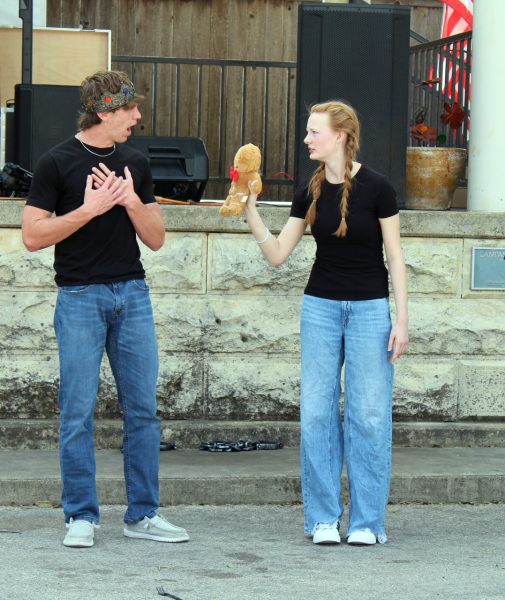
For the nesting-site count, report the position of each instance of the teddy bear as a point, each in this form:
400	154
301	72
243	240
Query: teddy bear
245	168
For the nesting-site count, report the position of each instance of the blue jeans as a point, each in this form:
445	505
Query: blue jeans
357	333
117	318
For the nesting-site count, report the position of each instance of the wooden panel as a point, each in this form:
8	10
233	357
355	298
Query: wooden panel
143	85
53	13
254	106
56	52
152	28
125	33
165	101
183	35
247	29
201	31
232	108
211	117
219	24
273	37
69	13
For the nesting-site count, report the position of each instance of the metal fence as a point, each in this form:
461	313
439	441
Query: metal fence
227	103
230	102
440	82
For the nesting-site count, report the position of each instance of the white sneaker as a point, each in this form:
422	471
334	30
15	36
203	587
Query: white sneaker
157	529
362	537
80	534
324	533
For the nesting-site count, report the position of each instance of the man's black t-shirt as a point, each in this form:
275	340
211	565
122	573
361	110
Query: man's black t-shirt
349	268
104	250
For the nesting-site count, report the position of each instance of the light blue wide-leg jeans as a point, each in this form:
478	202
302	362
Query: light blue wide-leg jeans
356	333
116	317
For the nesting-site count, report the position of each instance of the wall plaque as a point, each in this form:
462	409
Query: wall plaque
488	269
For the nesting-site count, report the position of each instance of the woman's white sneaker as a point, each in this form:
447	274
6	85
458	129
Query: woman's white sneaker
80	534
362	537
324	533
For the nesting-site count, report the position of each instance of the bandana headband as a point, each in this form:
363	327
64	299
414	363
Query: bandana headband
109	101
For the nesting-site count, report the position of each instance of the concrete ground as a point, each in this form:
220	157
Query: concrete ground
446	552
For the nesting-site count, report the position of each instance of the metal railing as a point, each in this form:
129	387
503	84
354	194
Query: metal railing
162	73
440	74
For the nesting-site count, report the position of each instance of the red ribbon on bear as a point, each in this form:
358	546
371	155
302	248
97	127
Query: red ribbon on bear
234	174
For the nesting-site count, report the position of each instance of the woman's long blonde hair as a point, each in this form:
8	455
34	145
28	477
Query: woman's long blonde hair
342	118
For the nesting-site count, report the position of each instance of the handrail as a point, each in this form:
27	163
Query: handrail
277	155
440	75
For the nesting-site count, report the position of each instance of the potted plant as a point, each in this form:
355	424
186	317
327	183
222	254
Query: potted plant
433	169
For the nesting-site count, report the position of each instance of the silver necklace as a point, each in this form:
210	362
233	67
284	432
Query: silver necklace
96	153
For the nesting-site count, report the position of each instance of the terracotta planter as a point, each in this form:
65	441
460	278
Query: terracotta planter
432	176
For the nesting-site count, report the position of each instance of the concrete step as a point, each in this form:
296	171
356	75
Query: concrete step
429	475
43	433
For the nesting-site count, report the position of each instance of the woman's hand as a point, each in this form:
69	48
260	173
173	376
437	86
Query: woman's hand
398	341
251	199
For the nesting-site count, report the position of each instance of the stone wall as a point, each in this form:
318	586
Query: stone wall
228	323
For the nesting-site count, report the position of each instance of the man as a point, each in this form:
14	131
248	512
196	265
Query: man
100	192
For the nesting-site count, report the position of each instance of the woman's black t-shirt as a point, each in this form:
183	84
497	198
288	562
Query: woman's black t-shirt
349	268
105	250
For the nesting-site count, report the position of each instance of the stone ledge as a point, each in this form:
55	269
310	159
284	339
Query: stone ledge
422	223
42	434
429	475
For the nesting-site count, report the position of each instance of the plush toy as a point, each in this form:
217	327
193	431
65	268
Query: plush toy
245	169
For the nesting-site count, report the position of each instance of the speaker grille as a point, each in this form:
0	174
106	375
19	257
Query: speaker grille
359	55
44	115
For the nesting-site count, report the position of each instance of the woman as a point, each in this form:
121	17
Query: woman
345	319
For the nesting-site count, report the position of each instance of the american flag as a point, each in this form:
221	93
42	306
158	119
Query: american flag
458	17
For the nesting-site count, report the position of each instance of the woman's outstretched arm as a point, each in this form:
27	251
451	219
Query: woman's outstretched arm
276	249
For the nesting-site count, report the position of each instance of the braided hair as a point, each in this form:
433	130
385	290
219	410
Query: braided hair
342	118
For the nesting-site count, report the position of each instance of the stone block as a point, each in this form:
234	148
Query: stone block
229	324
179	266
244	324
179	392
425	389
207	219
237	265
22	269
26	322
182	322
433	266
482	389
29	388
263	387
450	327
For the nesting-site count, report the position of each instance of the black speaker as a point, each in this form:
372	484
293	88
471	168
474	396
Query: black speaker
358	54
179	165
44	115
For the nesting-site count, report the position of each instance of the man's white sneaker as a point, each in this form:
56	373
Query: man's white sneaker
324	533
80	534
362	537
157	529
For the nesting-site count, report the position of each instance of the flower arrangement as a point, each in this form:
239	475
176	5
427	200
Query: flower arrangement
420	131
